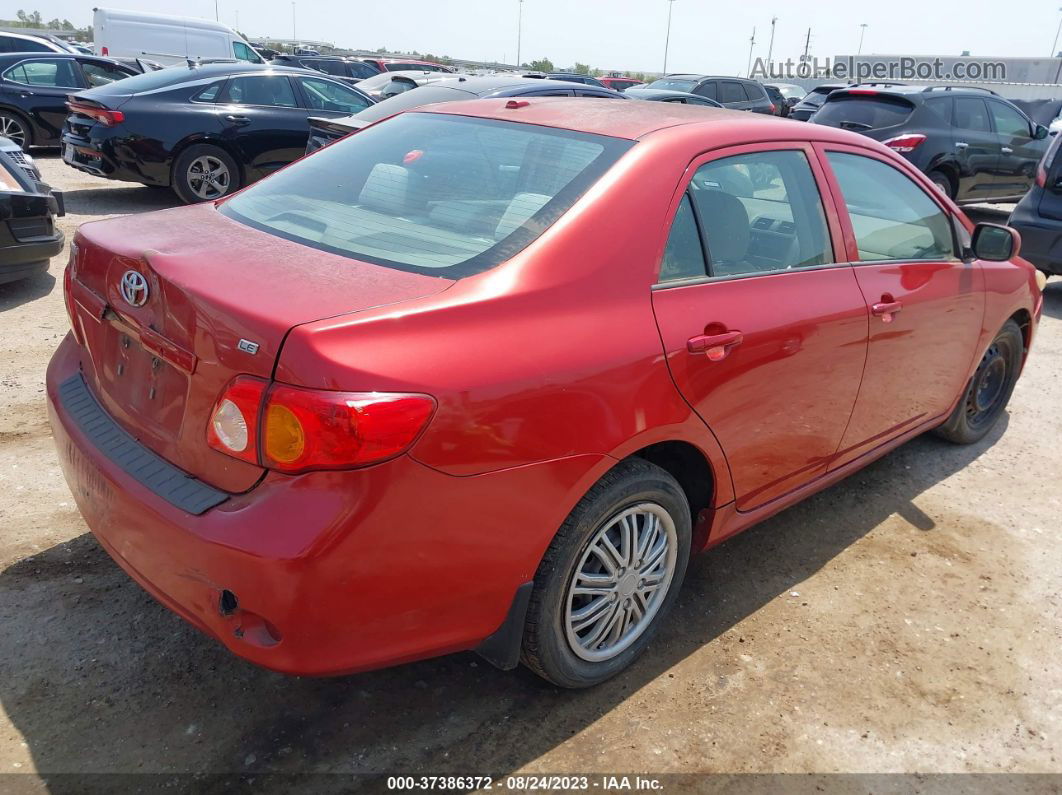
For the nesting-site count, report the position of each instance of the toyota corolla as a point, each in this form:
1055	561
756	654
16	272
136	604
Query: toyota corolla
485	375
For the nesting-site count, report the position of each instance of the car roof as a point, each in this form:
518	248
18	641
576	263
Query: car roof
71	56
660	92
684	76
634	120
908	91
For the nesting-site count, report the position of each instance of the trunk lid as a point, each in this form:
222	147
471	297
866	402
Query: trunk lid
220	298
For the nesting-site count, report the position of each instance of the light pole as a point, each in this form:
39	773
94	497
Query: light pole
519	29
752	44
862	33
770	47
667	38
293	41
1054	47
216	17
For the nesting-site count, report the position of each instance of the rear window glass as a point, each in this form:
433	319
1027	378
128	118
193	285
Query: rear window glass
863	113
673	85
429	192
817	96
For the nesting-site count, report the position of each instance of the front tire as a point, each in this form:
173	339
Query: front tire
204	173
989	390
609	578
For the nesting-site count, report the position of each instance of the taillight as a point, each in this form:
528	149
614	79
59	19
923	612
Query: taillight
291	429
108	118
1047	161
68	290
905	143
772	107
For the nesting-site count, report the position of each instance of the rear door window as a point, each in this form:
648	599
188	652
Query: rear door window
45	72
892	217
760	212
707	89
267	90
428	192
731	91
971	113
684	254
939	109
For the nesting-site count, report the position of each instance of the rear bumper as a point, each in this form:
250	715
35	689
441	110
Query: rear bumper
112	158
333	572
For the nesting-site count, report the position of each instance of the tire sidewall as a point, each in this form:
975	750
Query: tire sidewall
652	485
180	172
27	130
943	183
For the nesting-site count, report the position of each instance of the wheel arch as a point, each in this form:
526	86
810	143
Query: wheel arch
688	465
1024	320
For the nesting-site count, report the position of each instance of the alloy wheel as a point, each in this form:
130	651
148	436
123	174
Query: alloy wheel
12	128
208	177
620	582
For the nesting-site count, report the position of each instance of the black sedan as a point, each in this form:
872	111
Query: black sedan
28	234
34	87
324	131
204	130
664	95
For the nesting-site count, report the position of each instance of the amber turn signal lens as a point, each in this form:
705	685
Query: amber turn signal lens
285	440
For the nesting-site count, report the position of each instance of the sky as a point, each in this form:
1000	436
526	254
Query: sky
710	37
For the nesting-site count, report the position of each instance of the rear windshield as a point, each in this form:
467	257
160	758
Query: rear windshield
817	96
149	81
863	113
673	84
430	193
414	98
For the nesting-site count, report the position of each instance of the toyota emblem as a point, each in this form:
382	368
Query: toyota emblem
134	288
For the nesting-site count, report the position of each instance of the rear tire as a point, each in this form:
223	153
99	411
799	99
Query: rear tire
204	173
942	182
989	390
609	578
16	128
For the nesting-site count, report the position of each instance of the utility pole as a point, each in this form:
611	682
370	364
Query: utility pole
862	32
807	46
752	44
1054	47
216	17
519	29
770	47
667	38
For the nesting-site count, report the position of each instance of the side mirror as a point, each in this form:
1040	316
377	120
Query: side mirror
1040	132
995	242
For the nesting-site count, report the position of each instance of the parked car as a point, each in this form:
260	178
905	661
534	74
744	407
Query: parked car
735	93
778	101
387	84
29	237
33	42
34	88
812	101
404	64
364	412
1038	216
571	77
171	40
202	130
620	83
660	95
973	144
349	70
792	93
324	131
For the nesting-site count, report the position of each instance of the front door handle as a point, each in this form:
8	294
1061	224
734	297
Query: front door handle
886	309
239	121
715	346
1006	150
961	145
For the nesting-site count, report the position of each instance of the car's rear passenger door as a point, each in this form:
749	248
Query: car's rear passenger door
977	149
764	331
260	114
926	303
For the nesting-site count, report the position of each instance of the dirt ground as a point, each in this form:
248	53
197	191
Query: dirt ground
908	619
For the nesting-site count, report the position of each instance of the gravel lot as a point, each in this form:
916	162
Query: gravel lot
908	619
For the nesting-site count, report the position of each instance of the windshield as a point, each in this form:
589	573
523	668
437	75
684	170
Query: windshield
673	84
429	192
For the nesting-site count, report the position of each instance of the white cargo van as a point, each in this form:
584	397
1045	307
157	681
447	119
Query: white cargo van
166	39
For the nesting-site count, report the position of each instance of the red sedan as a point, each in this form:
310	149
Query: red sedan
485	375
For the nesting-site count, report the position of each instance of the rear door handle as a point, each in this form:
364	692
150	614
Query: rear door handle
715	346
886	309
1006	150
239	121
961	145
